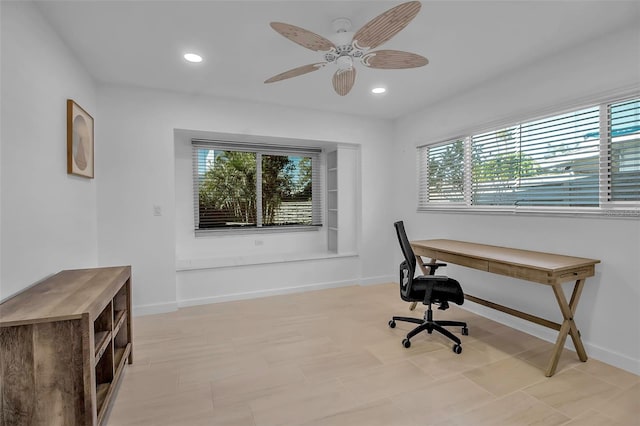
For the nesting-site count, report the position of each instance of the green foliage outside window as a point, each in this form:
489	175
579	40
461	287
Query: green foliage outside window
228	189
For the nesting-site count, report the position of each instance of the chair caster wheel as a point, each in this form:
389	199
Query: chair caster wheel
465	331
392	324
406	343
457	349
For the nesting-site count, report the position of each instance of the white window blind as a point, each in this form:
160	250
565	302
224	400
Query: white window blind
548	162
623	124
441	177
556	162
255	186
495	162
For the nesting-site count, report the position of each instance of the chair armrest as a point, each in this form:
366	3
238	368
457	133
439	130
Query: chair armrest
433	266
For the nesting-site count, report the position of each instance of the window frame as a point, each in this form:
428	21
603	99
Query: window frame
260	149
606	207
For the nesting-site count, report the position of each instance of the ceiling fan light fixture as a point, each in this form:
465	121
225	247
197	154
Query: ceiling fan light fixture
344	62
193	57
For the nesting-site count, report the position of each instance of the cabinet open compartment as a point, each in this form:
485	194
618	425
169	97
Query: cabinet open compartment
121	345
102	331
104	375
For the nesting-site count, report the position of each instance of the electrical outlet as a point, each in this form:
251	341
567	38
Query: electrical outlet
157	210
259	242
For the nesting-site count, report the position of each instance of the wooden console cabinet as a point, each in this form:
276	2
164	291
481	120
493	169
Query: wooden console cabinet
64	343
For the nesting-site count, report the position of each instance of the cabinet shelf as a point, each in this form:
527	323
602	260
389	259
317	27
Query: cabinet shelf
117	355
101	394
101	340
118	320
107	389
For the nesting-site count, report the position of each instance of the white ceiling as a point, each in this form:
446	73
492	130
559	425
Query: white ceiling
140	43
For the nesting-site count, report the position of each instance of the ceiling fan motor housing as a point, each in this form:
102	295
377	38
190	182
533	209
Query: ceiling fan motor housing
344	53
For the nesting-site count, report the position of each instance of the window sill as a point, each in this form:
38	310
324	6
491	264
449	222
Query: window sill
249	260
596	213
256	230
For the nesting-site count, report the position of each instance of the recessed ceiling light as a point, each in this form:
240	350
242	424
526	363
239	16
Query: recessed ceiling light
192	57
378	90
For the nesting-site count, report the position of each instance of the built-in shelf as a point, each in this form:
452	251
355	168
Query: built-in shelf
332	201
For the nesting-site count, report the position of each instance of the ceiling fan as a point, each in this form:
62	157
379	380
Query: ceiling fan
346	48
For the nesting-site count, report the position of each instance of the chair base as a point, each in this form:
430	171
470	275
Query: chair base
429	325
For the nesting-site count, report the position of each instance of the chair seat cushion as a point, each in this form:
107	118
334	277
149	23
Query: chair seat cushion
443	289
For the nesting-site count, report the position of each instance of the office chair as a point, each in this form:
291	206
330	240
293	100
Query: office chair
427	289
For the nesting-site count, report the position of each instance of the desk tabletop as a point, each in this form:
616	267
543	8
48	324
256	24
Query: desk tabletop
549	262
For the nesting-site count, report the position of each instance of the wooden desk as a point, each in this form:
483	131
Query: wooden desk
539	267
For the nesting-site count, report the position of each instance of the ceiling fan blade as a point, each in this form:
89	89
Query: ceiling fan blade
393	59
386	25
296	72
343	80
303	37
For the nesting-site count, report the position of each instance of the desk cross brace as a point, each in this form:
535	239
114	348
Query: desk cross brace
567	328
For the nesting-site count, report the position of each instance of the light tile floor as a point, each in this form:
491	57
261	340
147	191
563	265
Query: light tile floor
328	358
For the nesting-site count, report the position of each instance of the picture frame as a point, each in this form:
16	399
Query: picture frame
80	158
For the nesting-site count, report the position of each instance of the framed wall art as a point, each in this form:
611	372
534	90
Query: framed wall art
79	141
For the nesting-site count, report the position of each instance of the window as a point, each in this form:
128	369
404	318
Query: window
241	186
557	162
623	125
445	172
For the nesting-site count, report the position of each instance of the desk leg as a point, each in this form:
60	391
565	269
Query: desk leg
568	326
424	272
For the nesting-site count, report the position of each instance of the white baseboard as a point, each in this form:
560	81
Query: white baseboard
263	293
596	352
613	358
161	308
382	279
156	308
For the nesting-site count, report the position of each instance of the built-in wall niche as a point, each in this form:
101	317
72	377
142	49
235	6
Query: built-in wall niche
342	196
247	248
332	201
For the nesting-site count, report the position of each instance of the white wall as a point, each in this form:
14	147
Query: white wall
139	163
609	313
48	218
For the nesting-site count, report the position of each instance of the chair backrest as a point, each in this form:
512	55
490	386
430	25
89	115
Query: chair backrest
407	251
408	267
